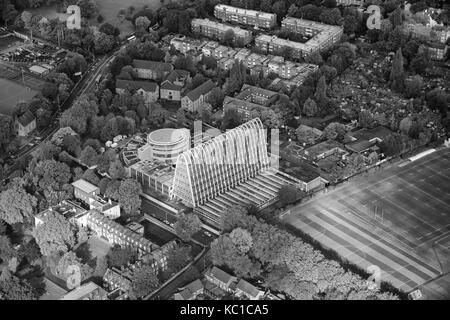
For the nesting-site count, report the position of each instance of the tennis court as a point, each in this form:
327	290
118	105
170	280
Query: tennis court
11	93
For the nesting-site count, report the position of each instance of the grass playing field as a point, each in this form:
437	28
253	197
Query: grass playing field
12	93
389	219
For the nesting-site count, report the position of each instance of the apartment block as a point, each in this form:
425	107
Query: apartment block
349	2
215	30
322	37
249	17
185	44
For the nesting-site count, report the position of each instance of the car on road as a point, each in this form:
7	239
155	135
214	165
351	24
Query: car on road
171	225
208	234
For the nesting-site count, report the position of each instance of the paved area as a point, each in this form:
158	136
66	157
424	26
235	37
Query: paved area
390	219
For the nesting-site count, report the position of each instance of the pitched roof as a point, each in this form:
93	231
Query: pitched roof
26	118
136	85
176	74
84	186
84	292
248	288
167	85
220	275
359	145
154	65
189	291
201	90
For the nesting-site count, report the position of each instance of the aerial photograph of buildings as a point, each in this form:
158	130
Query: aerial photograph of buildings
218	150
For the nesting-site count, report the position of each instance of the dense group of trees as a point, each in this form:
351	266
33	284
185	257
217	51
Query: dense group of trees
253	248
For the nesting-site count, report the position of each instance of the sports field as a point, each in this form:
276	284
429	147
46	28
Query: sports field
11	93
389	219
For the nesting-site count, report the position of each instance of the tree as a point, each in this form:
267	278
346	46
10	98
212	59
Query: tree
397	76
50	175
128	195
242	239
405	125
216	98
437	99
310	108
16	205
187	225
413	87
59	135
70	259
116	170
72	145
89	156
228	37
7	131
12	288
366	119
101	266
177	258
119	256
55	234
307	134
334	131
231	119
143	281
289	194
90	176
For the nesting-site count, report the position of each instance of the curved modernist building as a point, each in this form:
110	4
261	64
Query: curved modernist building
165	145
224	162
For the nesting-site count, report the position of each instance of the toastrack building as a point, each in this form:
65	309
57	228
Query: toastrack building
232	169
223	170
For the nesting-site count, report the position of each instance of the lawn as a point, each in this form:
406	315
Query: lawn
389	219
109	9
12	93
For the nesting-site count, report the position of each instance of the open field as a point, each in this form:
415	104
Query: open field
11	93
108	9
389	219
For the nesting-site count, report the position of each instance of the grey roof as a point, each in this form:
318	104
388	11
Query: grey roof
201	90
248	288
220	275
26	118
176	74
136	85
153	65
84	185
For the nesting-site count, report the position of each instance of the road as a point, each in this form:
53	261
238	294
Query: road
201	263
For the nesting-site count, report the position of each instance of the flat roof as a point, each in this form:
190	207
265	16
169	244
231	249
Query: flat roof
83	291
261	14
221	26
167	136
84	185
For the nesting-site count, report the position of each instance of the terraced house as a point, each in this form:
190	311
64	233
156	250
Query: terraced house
249	17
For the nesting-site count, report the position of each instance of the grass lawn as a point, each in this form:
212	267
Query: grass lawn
109	9
12	93
99	247
389	219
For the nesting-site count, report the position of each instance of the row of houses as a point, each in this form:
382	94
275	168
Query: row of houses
218	283
435	36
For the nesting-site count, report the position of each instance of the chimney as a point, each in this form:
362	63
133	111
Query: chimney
109	201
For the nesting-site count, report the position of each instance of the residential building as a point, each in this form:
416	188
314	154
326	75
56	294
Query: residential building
84	190
323	150
193	99
186	44
225	63
191	291
223	52
247	110
88	291
255	59
322	37
216	30
350	2
116	279
115	233
242	54
221	279
437	51
149	90
257	95
39	70
108	208
209	47
249	17
25	123
152	69
66	208
172	86
246	289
